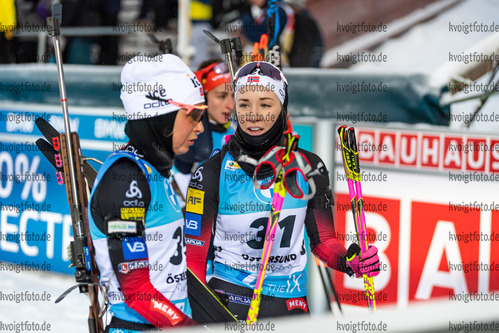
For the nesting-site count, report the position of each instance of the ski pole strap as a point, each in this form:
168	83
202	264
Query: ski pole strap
291	167
103	290
291	162
350	153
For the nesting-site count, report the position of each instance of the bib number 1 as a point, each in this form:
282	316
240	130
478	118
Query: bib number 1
260	224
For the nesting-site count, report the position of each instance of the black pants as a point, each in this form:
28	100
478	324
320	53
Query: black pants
270	306
125	326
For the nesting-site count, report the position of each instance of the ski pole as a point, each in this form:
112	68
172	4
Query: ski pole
323	280
352	172
323	268
54	33
275	210
335	293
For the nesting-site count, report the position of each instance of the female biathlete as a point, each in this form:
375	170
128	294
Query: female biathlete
135	220
223	201
215	78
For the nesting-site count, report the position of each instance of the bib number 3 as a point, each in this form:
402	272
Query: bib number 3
176	259
260	224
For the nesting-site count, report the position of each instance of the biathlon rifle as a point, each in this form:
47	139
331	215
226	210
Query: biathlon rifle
70	171
228	45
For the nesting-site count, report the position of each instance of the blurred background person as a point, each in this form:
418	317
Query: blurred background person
299	35
92	13
201	16
8	23
215	78
17	17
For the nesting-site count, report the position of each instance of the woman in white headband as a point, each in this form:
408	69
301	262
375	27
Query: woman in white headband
135	221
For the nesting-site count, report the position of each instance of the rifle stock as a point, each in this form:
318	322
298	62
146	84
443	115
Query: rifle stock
82	251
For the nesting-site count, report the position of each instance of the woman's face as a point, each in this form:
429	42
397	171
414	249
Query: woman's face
220	103
257	109
185	131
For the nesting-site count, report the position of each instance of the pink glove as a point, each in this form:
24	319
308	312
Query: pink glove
367	264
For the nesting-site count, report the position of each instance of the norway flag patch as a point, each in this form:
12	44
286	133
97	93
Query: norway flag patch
253	79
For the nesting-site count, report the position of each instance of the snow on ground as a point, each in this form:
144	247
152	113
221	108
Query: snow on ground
70	315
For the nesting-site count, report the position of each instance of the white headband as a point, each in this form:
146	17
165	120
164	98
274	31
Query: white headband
251	82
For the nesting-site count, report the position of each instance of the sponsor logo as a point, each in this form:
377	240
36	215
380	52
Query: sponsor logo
109	128
196	185
133	213
296	303
196	242
195	82
118	227
195	201
265	196
134	248
165	309
192	224
159	98
176	278
232	165
132	150
421	150
198	175
239	299
134	191
127	267
133	203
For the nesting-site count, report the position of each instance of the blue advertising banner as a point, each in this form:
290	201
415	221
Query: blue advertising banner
35	221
